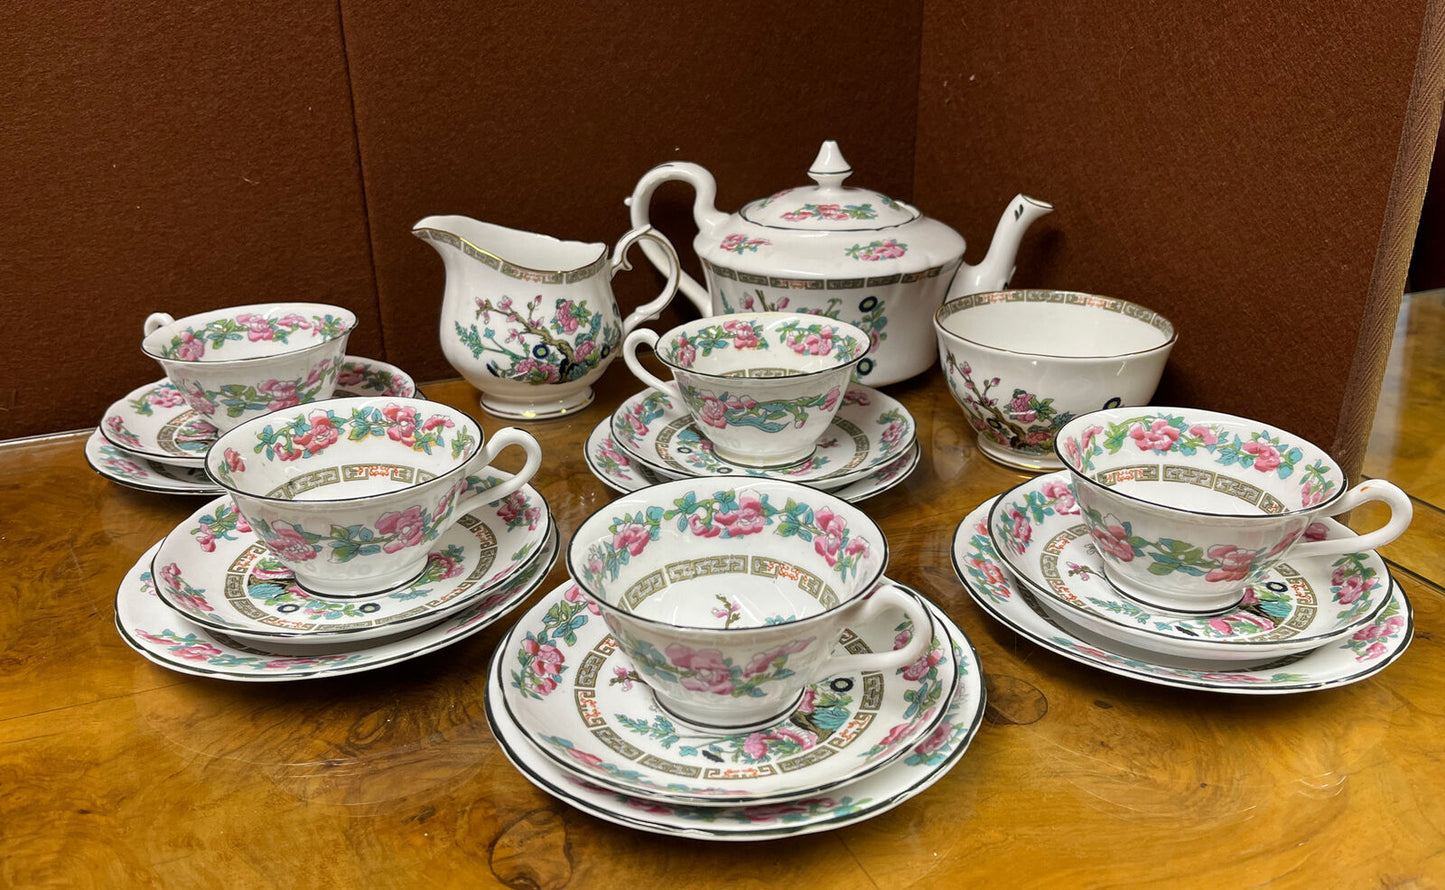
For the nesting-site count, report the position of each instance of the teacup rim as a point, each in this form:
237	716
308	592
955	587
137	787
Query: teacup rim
148	342
938	315
854	332
1213	416
864	589
461	467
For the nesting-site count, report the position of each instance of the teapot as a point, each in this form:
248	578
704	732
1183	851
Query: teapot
851	254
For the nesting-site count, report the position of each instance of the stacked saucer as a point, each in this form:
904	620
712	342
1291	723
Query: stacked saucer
1027	558
209	599
153	441
870	446
575	718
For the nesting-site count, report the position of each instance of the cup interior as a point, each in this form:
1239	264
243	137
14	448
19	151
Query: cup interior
248	332
1062	324
1198	461
703	554
762	345
343	449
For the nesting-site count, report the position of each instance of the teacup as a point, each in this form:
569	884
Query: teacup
1023	363
234	364
729	598
350	493
1188	507
762	386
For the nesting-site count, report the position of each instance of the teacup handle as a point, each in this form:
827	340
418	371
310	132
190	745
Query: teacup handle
669	255
1401	511
155	321
638	338
881	599
478	492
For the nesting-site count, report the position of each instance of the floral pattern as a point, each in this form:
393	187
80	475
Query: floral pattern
540	662
730	513
239	399
1158	434
567	343
742	243
1225	564
725	409
306	436
876	250
831	212
1023	422
192	344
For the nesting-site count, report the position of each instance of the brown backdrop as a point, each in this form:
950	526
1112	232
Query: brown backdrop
1250	172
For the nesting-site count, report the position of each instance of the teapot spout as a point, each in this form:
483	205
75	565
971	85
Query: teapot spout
998	265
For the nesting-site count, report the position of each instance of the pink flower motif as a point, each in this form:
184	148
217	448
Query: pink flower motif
942	734
282	392
748	519
574	594
834	529
714	413
514	507
1234	563
622	677
166	397
1021	406
1350	589
547	659
1221	626
706	670
407	528
584	349
734	242
1087	439
763	662
632	537
1062	496
191	349
349	375
702	529
1160	436
1266	456
1204	434
1022	531
258	327
289	544
565	318
206	539
320	433
446	566
197	652
992	574
920	668
529	367
403	418
1317	531
1114	540
234	462
895	430
744	337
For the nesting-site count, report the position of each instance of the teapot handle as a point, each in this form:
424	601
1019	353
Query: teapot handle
703	211
647	233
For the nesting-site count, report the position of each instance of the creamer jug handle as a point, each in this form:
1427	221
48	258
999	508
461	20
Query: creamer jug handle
651	238
703	211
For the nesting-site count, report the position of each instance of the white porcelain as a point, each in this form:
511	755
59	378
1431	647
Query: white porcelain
135	471
1022	363
923	765
1188	506
593	715
237	363
1361	655
854	255
349	494
613	467
1298	605
530	320
728	600
762	386
870	431
155	422
161	636
214	572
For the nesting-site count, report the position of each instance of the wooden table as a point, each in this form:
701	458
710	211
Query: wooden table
115	772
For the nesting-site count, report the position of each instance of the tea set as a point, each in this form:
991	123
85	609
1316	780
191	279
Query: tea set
728	658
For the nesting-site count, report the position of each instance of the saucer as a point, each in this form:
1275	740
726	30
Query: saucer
1038	531
154	421
155	631
214	572
917	770
582	704
134	471
615	468
992	586
869	431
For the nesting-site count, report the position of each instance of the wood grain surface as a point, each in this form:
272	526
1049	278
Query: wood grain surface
118	773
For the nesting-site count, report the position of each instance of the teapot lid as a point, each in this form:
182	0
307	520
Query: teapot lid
829	206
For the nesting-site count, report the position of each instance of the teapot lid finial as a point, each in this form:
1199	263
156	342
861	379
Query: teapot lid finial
829	167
